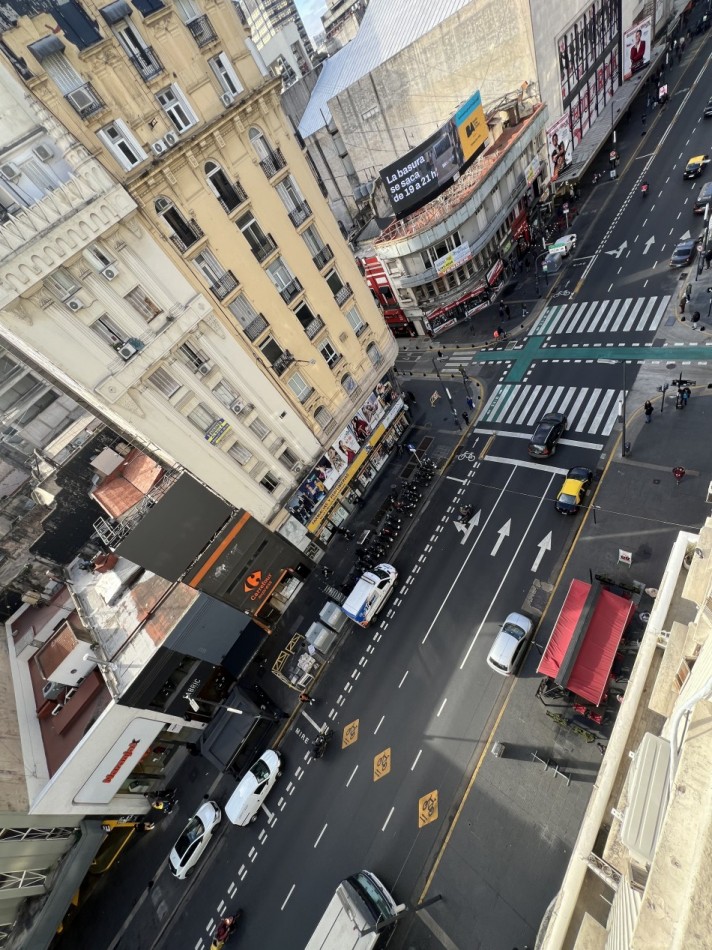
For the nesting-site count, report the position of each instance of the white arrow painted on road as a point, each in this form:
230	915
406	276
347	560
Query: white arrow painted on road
648	243
466	528
620	250
503	533
544	546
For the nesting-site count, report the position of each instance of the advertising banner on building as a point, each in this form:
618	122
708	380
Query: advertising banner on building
118	763
421	173
335	462
636	47
559	146
453	259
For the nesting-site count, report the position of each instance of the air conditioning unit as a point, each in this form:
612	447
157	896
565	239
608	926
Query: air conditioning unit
171	139
82	100
204	369
227	98
159	147
236	405
74	303
126	351
9	171
44	152
111	272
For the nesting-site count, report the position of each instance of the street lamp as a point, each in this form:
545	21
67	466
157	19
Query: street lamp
621	404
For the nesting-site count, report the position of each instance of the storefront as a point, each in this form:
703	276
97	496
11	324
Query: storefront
445	317
328	494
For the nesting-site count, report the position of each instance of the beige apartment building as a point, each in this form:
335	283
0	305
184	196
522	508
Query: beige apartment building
222	249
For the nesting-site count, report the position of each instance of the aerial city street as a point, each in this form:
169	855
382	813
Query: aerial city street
356	479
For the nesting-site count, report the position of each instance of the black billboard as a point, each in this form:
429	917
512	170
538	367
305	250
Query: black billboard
415	178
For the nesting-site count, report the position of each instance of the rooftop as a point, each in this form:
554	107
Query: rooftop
127	485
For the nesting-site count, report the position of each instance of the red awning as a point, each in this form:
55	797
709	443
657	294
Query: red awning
563	629
592	668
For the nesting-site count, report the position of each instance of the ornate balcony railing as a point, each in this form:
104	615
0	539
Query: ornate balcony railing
147	64
322	257
85	100
289	292
343	294
272	164
256	328
225	285
191	233
299	214
202	31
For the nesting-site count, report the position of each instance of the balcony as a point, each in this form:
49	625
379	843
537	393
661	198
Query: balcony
190	233
322	257
85	101
263	250
232	197
256	328
313	327
272	164
343	294
305	395
147	64
281	364
299	214
201	29
291	290
225	285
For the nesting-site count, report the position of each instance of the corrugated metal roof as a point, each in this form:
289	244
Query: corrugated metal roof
388	27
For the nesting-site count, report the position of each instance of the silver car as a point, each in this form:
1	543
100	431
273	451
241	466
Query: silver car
510	644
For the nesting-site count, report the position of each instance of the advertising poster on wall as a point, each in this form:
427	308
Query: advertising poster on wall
636	47
585	45
559	146
471	125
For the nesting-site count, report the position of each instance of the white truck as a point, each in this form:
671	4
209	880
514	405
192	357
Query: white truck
359	904
370	593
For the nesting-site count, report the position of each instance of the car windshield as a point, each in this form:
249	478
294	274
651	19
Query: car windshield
540	435
193	832
382	575
567	499
513	630
260	770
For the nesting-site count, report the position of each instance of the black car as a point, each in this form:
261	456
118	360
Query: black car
708	110
683	253
549	430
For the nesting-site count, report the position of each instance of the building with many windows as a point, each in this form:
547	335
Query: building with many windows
195	292
265	19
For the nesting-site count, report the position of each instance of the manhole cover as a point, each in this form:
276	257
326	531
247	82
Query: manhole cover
656	481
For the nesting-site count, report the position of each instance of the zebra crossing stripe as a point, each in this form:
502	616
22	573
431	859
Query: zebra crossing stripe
646	313
569	321
624	315
621	314
502	393
588	316
600	313
519	400
660	314
631	319
602	409
587	410
593	410
613	417
551	315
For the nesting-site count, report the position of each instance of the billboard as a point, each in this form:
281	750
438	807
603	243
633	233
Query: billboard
586	44
559	146
636	47
341	453
424	171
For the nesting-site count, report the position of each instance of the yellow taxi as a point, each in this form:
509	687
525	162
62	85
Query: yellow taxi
695	165
575	486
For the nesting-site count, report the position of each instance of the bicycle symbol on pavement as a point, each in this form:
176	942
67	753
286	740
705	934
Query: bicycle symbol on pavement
428	809
350	734
381	764
467	457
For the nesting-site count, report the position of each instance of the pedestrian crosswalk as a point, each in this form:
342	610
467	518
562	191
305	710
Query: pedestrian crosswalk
631	315
589	410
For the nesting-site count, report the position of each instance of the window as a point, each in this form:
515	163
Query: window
323	417
228	396
21	389
225	74
142	57
334	281
229	194
281	275
209	266
272	350
247	316
261	244
61	72
143	304
202	417
312	323
374	354
349	383
259	144
329	354
164	382
354	318
299	387
109	331
191	356
260	429
239	453
61	283
97	257
269	481
121	143
290	195
185	233
289	459
313	240
176	107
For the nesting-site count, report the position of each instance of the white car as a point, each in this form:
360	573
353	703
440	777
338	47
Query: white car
194	840
564	246
252	789
510	644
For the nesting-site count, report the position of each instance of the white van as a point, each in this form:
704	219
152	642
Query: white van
360	903
370	593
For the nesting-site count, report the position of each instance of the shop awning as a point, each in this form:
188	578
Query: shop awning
583	643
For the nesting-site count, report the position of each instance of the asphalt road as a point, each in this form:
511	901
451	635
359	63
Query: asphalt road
412	699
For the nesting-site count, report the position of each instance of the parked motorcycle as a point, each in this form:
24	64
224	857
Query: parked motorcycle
321	742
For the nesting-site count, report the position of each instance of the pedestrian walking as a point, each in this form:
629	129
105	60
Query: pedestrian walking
502	332
644	118
648	410
440	354
307	699
601	748
326	571
496	334
685	395
501	309
708	258
466	417
470	403
506	307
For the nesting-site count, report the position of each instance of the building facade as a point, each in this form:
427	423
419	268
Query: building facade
265	18
213	312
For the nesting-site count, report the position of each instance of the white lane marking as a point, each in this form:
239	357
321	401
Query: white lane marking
390	813
291	891
221	908
379	725
351	776
403	680
506	573
453	479
471	551
320	834
442	707
525	463
415	761
210	925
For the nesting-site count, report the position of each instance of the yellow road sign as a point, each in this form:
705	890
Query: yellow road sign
381	764
428	809
350	734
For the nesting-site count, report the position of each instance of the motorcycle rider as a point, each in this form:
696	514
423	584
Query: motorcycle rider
224	931
644	188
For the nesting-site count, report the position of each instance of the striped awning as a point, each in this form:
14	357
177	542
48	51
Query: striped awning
46	47
115	12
